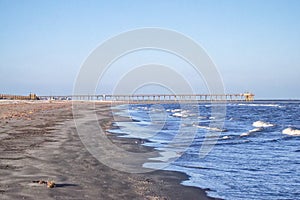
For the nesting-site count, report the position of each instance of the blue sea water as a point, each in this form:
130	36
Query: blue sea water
255	155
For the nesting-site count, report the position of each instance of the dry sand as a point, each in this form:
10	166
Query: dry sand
38	141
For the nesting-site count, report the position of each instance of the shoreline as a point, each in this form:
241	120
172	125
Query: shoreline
39	141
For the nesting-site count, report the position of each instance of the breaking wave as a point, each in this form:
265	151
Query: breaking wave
210	128
182	113
260	105
291	131
261	124
251	131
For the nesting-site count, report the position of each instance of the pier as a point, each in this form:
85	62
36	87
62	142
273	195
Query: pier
157	98
142	98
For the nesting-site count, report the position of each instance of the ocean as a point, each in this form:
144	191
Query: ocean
254	155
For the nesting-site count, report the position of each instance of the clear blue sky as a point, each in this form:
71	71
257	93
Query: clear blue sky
254	43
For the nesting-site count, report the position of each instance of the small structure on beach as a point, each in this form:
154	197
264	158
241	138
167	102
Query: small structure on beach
31	96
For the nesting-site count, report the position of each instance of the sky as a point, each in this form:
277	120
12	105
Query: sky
255	44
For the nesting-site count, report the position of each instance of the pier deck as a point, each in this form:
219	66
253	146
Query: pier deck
157	98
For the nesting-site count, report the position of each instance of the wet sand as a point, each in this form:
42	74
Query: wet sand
38	141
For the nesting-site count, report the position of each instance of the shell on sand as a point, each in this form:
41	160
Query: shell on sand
50	184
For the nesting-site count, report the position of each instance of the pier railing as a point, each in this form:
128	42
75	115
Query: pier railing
157	98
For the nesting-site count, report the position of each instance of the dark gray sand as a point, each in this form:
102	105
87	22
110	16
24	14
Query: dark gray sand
38	141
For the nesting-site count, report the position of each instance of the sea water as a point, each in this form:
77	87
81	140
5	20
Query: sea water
255	155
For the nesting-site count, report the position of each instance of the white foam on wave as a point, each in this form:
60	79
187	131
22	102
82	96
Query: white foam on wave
226	137
175	110
261	124
183	113
291	131
180	114
166	156
251	131
261	105
142	108
210	128
202	117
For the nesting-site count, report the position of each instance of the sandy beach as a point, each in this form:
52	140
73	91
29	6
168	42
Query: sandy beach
38	141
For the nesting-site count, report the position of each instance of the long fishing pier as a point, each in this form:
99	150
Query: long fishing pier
157	98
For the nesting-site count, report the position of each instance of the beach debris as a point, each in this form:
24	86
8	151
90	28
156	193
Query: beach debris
50	184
